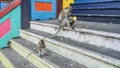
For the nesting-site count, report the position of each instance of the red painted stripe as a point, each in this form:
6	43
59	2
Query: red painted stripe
5	28
11	6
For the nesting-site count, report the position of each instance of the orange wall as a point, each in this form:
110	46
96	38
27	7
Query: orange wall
43	6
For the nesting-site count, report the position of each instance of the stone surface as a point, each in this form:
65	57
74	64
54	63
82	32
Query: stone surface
17	60
1	65
58	60
102	50
113	28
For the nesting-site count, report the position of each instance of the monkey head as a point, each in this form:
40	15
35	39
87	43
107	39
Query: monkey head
69	8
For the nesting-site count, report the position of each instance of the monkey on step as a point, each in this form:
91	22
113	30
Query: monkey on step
41	48
65	20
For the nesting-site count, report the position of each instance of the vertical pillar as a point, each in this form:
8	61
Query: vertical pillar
25	14
59	6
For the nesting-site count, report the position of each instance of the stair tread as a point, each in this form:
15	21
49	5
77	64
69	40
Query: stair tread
112	28
93	48
1	65
17	60
59	60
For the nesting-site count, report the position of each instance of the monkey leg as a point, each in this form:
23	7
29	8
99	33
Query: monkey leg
45	52
40	53
67	22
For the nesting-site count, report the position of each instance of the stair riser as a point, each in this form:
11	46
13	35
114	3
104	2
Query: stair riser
97	5
99	19
98	12
1	65
88	59
97	38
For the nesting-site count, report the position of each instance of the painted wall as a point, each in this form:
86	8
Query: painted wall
103	12
3	4
59	7
25	14
0	5
43	9
66	3
9	26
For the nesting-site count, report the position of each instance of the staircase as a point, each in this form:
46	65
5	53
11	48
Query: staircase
95	42
102	12
79	48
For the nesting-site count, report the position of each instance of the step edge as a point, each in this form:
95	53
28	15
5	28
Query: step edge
5	61
79	50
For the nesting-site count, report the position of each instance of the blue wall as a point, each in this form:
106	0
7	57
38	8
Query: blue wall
42	15
2	5
105	11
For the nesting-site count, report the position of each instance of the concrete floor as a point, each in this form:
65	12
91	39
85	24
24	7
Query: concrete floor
1	65
57	59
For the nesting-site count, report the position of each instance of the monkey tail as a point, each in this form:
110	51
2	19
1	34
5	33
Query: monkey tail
27	57
56	32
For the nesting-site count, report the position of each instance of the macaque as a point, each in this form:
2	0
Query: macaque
65	20
41	48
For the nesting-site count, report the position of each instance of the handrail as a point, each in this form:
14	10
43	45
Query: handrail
7	9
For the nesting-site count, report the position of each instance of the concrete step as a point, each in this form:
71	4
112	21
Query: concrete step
52	59
99	34
86	54
1	65
12	59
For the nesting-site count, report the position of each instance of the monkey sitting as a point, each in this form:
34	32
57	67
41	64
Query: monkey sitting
65	20
41	48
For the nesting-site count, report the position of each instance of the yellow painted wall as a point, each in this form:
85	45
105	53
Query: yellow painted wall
66	3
